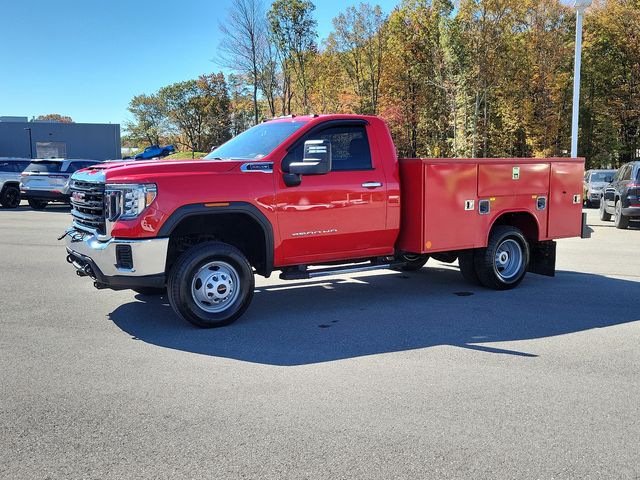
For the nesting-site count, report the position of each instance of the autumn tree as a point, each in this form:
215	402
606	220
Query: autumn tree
198	110
461	78
359	39
415	101
293	29
55	117
244	41
241	117
610	107
149	123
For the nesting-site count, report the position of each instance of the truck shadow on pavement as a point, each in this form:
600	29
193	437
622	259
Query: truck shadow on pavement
318	321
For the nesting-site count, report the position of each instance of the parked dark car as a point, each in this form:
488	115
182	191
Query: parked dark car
621	198
594	183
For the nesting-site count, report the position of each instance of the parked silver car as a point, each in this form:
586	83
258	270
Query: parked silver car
45	181
10	170
594	182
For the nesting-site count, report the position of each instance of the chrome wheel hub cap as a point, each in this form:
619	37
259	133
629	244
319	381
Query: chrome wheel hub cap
508	259
215	286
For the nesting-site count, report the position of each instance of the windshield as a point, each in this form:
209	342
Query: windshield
600	176
257	142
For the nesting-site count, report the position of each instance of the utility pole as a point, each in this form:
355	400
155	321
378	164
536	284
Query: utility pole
580	6
30	143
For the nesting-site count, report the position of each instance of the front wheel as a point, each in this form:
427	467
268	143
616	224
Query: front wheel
503	264
211	285
604	216
37	204
619	219
10	197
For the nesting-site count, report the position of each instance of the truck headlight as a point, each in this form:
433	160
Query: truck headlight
128	200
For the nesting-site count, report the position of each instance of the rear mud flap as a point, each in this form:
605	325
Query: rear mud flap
543	258
586	229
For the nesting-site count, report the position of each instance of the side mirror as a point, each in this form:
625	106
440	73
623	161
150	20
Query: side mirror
316	159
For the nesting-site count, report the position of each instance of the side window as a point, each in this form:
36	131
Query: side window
349	148
616	177
626	175
13	167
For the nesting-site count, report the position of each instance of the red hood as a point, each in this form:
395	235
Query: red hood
147	170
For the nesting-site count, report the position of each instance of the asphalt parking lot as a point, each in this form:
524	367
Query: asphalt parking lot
380	375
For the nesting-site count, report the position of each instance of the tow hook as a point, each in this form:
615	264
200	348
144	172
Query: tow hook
75	235
99	286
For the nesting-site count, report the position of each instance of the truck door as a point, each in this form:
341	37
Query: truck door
339	215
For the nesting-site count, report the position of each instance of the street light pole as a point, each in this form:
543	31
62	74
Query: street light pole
580	6
30	143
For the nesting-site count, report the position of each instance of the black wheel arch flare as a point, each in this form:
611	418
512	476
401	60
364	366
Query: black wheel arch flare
221	208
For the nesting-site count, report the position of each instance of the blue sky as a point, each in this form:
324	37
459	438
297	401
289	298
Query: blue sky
88	58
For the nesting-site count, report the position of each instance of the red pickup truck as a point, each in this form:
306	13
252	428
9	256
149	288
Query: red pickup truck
312	196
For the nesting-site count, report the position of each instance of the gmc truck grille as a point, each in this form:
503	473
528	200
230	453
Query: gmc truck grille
87	206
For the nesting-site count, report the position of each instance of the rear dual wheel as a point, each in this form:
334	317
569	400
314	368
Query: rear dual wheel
502	265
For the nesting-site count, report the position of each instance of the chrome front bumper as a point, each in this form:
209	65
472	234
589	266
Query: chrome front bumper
149	255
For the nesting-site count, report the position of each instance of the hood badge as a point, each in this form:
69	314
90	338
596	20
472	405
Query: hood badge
264	167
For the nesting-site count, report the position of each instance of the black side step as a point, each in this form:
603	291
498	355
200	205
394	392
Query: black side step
304	274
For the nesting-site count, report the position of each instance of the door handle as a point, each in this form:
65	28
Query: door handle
372	184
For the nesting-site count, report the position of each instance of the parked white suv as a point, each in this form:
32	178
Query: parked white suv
10	170
45	181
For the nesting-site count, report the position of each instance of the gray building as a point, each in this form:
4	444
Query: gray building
47	139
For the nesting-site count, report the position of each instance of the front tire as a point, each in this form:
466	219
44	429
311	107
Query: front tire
619	219
37	204
503	264
604	216
10	197
211	285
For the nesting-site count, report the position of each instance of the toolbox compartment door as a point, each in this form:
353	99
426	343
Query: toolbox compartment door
439	206
510	178
565	200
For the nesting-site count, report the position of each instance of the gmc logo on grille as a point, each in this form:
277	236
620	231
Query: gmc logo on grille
77	196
